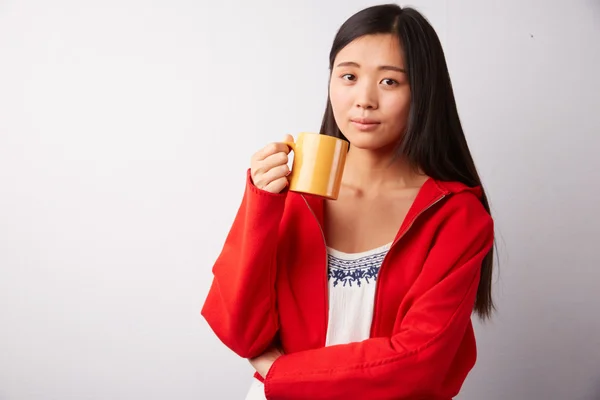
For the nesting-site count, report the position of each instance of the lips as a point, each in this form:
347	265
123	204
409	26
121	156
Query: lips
365	121
365	124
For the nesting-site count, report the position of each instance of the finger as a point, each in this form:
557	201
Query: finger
275	173
273	148
277	185
288	138
264	166
263	179
274	160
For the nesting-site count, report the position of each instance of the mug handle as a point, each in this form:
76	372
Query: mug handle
291	145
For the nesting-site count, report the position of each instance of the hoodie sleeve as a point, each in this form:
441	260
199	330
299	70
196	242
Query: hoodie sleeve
415	361
240	305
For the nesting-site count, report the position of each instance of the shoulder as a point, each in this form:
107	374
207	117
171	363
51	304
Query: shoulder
463	206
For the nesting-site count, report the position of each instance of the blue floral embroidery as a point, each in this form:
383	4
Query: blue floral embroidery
354	272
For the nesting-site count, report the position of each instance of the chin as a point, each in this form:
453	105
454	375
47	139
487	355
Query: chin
368	140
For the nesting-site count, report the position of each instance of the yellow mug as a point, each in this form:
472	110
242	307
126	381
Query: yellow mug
318	164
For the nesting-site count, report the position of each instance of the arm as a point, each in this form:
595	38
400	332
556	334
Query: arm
416	359
240	305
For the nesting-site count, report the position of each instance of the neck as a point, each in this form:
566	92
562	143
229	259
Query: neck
369	171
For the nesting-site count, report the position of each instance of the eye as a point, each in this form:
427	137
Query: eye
389	82
348	77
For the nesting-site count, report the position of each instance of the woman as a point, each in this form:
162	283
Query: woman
369	296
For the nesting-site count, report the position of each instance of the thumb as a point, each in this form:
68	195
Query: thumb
289	139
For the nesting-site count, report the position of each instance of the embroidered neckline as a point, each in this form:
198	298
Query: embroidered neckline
355	269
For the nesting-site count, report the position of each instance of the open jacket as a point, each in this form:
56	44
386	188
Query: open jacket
270	284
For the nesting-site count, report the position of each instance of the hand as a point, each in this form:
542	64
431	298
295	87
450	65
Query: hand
268	166
262	364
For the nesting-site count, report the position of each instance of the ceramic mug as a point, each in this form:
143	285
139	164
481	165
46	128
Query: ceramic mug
318	164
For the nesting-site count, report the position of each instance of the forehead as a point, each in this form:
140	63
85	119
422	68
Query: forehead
372	50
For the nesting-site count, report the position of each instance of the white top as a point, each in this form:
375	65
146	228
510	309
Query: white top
352	280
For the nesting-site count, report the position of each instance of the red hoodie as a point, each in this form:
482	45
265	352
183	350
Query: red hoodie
421	344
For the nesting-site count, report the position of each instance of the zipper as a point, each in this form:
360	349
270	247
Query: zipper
326	271
373	324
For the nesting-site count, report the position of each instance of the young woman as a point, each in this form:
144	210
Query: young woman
369	296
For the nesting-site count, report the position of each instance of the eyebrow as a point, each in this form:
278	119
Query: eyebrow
381	68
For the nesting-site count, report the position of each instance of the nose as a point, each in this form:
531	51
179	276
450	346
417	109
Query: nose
366	96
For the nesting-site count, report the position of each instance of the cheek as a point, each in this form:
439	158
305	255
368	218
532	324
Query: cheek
397	107
339	98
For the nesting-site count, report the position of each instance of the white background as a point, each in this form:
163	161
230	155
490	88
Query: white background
126	129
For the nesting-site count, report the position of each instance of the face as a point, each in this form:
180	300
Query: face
369	92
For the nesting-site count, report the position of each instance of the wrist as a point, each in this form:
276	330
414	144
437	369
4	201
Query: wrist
265	369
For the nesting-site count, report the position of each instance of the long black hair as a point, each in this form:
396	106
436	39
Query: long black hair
434	141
